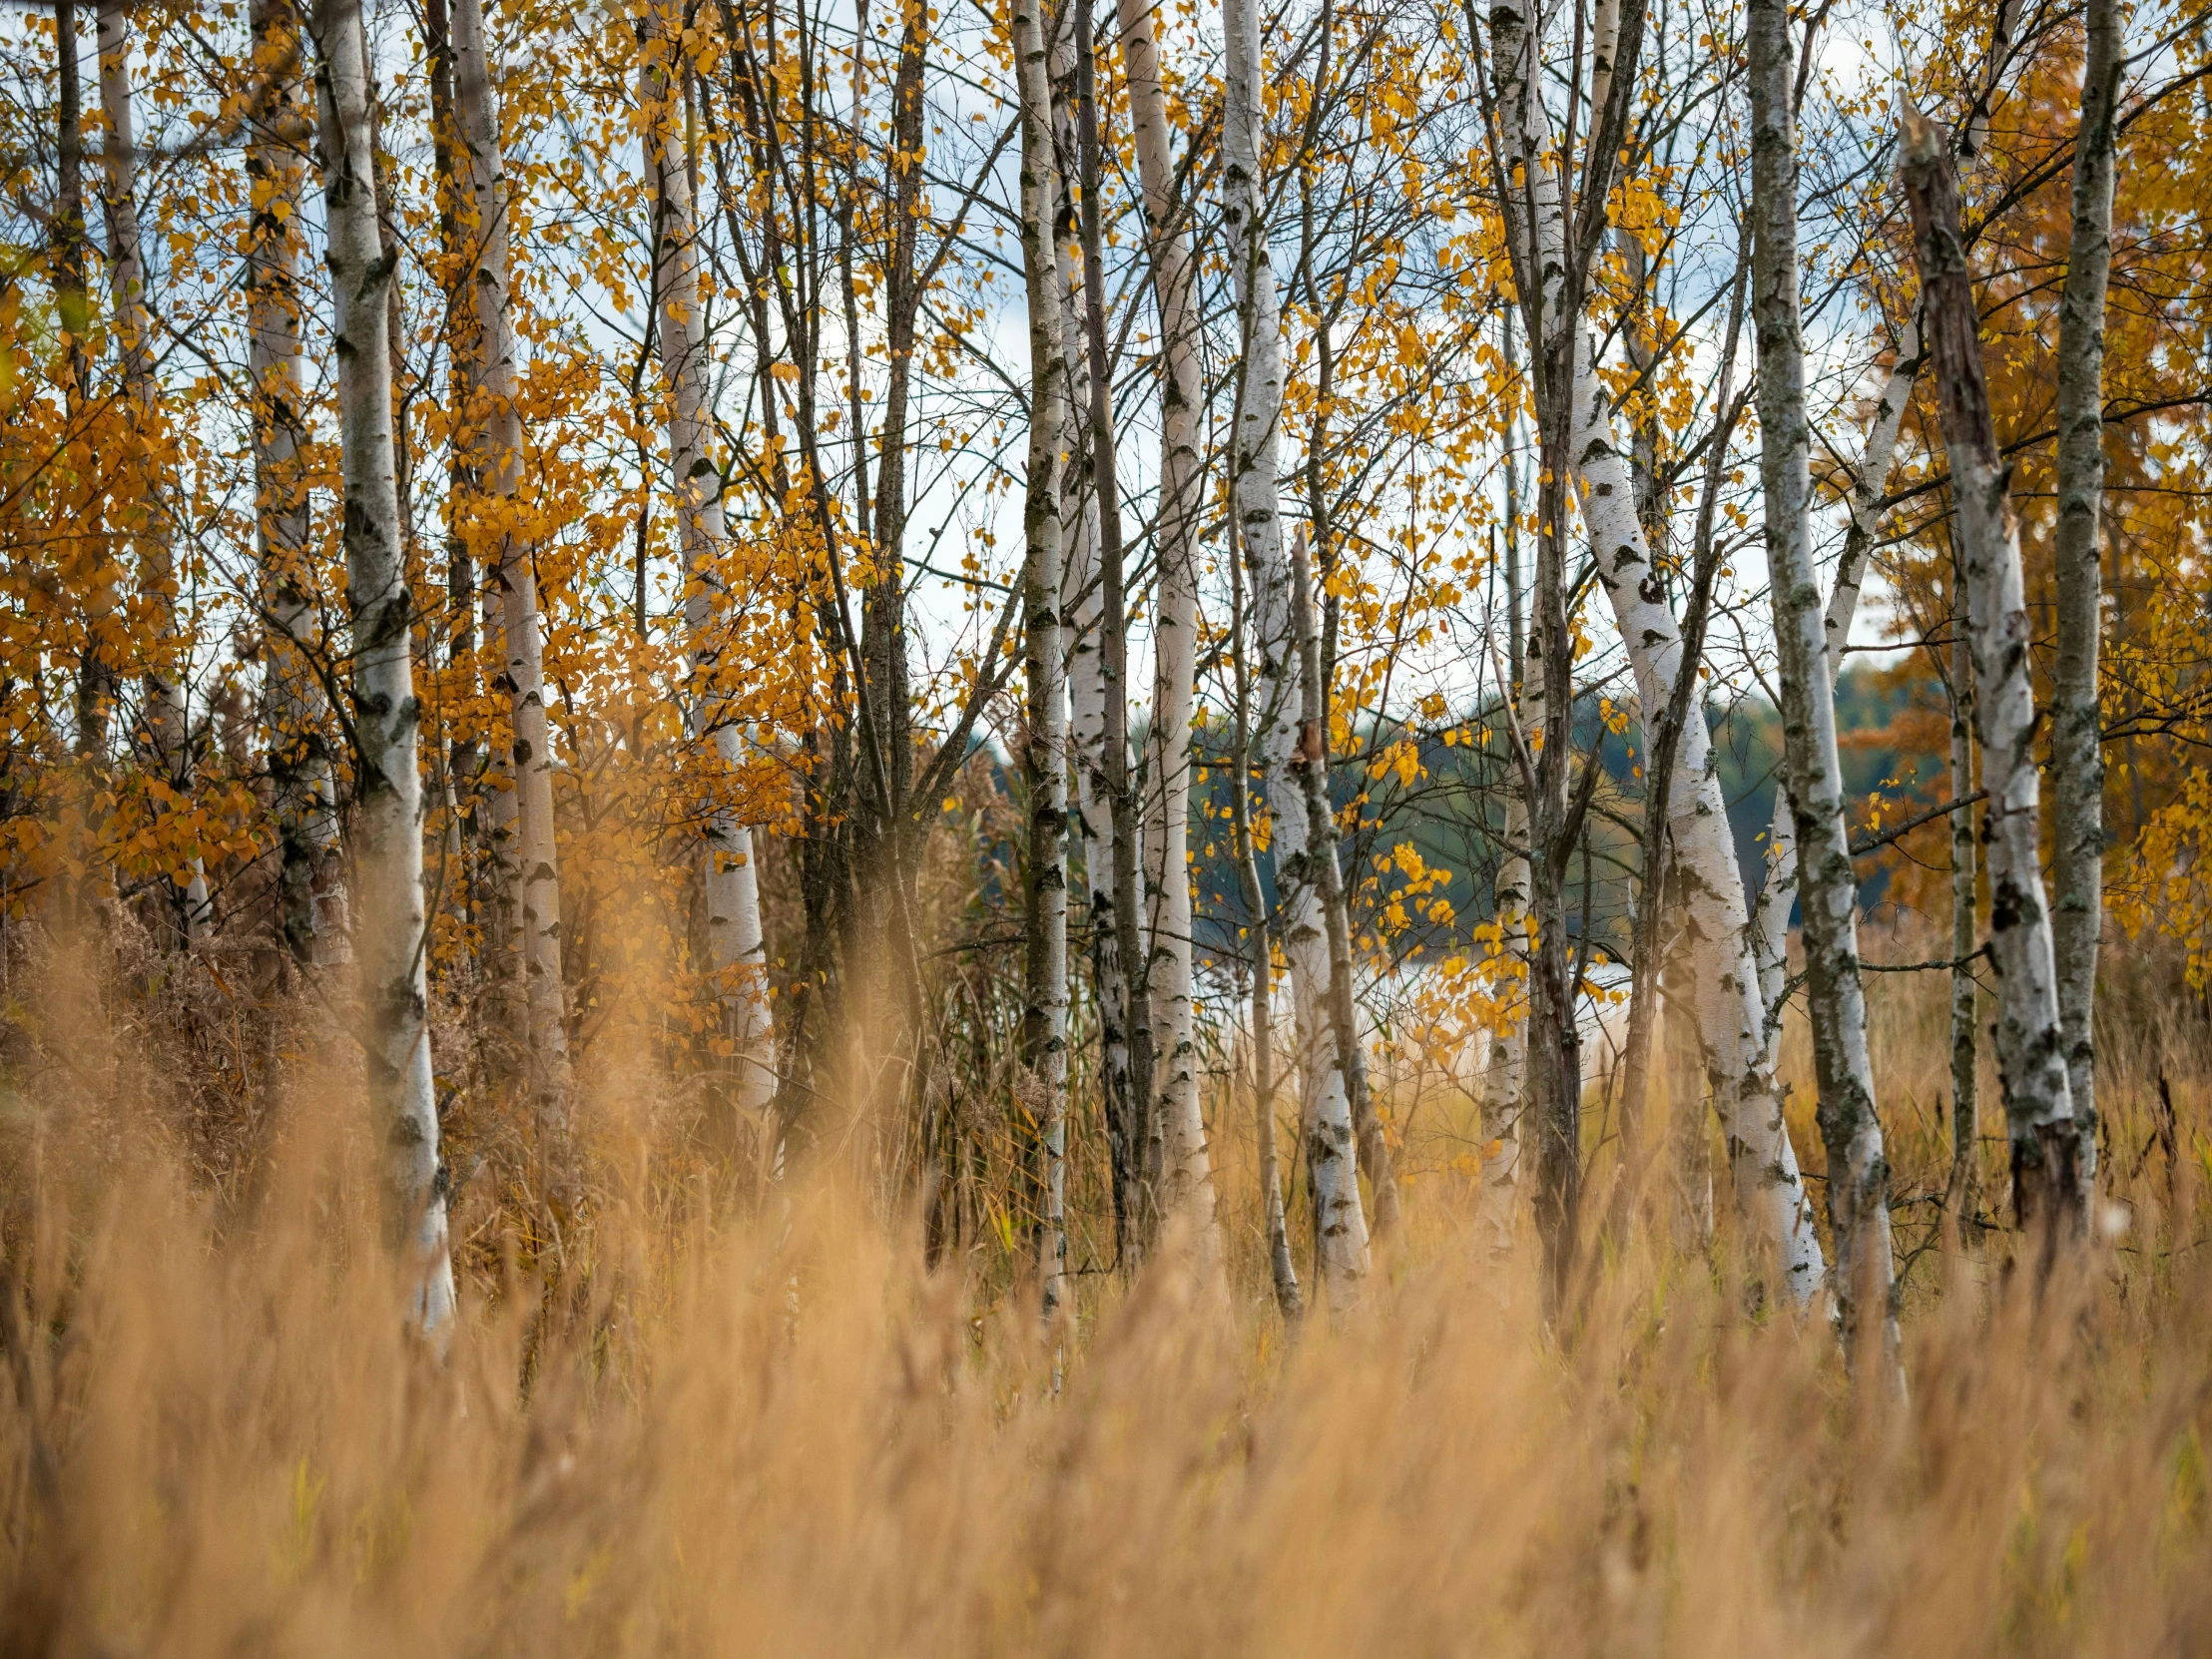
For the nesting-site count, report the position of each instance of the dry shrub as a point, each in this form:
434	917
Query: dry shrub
767	1429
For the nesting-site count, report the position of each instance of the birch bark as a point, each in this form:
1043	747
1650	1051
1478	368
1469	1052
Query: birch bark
310	917
133	325
1731	1018
1339	1220
1092	424
1310	767
2077	731
1262	956
1503	1076
736	945
2038	1107
1858	1170
498	473
1090	684
1552	1101
1045	1017
1869	485
1778	892
1962	1199
392	931
1161	991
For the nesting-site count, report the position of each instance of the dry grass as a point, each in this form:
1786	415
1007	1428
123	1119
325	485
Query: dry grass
773	1433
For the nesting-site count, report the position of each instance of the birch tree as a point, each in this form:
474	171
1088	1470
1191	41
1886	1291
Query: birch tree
165	721
1108	807
1260	954
1864	504
1731	1018
2038	1107
1175	1129
1961	1199
392	931
737	946
1503	1074
497	473
1827	887
1542	747
310	896
1340	1219
1044	1016
2078	729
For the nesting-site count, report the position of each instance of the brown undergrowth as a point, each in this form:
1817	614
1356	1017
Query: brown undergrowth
758	1424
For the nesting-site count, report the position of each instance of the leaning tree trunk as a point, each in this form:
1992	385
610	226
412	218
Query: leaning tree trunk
1731	1017
2039	1106
391	936
1044	1016
498	473
1778	892
150	514
1161	994
736	945
310	894
2077	731
1858	1170
1339	1220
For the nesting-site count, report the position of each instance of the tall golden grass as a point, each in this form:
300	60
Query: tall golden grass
765	1427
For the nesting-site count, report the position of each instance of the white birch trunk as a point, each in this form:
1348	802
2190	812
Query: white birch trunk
391	937
1778	892
1044	1019
1858	1170
1286	1299
2039	1106
1731	1017
1965	1154
1339	1220
1504	1077
1082	607
2077	730
133	325
1164	981
1504	1074
1869	485
737	946
1770	1193
311	921
499	472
